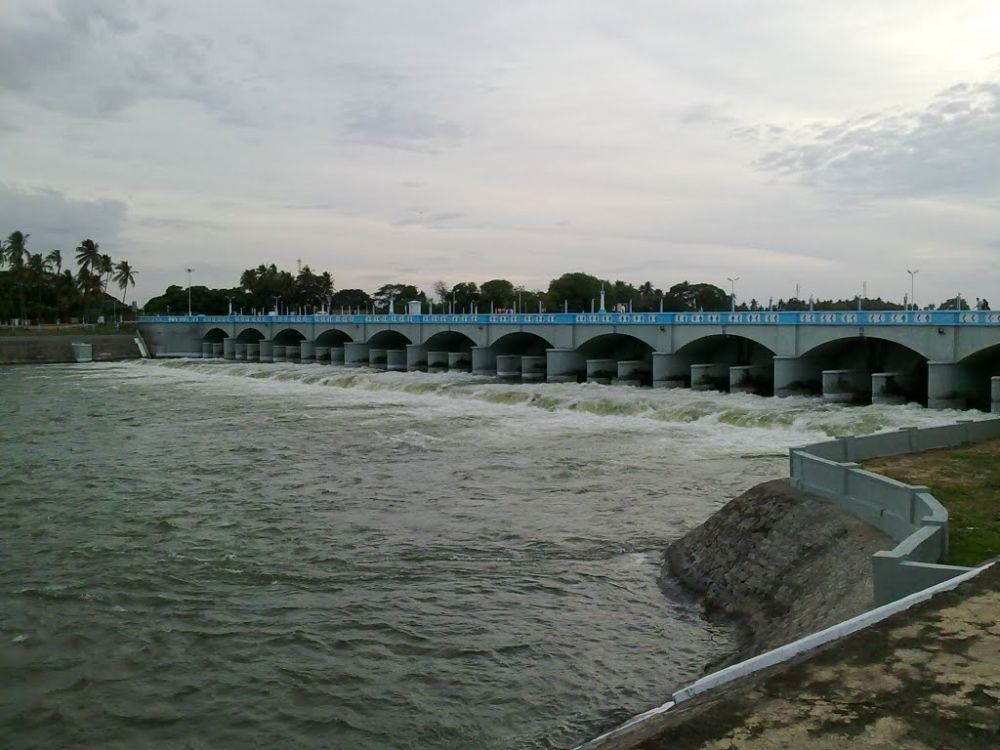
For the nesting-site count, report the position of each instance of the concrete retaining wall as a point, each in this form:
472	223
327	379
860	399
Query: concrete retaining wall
909	514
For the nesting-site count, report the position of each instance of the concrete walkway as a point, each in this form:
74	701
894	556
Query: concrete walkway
925	679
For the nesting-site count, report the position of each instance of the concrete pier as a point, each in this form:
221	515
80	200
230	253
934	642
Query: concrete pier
206	350
355	354
509	366
83	352
437	361
633	372
750	379
395	360
229	349
459	362
322	354
710	376
338	356
293	354
217	351
533	368
278	353
241	352
950	385
671	370
602	371
307	352
995	394
484	361
416	358
846	386
887	388
377	359
266	351
795	376
565	366
253	352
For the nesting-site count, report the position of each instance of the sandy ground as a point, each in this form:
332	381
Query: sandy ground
925	679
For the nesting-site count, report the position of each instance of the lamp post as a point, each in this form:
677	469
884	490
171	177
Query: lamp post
732	282
189	270
913	272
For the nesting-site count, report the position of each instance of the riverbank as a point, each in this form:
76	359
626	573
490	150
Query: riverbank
927	677
55	348
778	563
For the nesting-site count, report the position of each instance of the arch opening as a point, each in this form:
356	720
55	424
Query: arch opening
215	336
729	362
250	336
975	379
388	340
620	346
449	341
898	374
333	337
521	342
288	337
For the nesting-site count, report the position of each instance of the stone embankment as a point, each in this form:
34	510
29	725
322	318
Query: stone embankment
779	564
16	350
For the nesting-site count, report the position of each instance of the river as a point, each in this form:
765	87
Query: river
224	555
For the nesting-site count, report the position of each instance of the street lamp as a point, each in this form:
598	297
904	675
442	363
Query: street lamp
732	282
912	273
189	270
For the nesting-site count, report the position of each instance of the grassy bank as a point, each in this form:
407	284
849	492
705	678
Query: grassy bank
967	481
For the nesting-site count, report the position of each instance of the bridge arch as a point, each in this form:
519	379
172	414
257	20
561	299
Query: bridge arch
333	337
214	335
288	337
449	341
732	348
871	355
521	342
249	335
388	340
620	346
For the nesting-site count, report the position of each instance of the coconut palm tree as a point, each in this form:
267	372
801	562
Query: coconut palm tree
17	249
87	255
55	261
125	276
104	269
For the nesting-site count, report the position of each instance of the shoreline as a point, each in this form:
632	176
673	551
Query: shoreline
58	348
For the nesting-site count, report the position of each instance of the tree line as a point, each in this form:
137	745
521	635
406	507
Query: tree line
35	287
267	288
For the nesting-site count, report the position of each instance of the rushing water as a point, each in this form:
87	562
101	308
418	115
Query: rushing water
228	555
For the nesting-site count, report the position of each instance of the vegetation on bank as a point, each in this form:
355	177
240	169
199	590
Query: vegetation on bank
966	480
268	288
35	286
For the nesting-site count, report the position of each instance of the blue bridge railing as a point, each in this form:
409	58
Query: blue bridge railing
785	318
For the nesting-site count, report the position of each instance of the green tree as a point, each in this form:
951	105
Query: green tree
497	292
398	292
124	277
350	299
573	290
87	255
55	261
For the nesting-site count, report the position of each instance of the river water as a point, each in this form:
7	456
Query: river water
223	555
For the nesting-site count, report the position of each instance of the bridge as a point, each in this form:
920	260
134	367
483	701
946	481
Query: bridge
940	358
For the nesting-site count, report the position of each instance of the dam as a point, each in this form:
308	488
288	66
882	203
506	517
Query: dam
940	358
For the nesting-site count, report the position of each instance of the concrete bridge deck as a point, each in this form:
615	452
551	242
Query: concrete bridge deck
942	358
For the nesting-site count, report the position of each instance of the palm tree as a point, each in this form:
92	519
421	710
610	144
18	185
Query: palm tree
87	255
104	269
17	249
55	260
124	275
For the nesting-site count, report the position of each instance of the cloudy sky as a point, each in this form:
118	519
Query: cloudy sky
783	142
